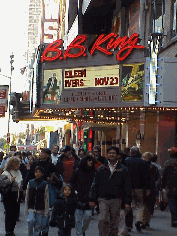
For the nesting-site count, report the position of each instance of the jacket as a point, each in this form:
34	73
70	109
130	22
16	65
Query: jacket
81	181
37	196
49	169
101	159
63	212
169	177
139	172
112	185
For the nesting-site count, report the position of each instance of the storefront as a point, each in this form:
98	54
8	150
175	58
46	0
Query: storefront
102	92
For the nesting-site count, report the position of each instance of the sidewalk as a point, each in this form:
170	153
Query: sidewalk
160	225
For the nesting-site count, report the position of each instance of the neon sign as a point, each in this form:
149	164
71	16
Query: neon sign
112	41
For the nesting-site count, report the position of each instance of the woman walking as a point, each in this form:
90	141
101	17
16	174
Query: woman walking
11	177
81	182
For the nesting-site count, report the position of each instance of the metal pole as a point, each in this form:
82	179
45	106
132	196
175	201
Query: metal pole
8	128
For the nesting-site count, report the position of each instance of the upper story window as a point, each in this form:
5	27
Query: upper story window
158	11
174	18
117	24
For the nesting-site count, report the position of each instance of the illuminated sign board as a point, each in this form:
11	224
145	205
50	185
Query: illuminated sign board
112	41
100	76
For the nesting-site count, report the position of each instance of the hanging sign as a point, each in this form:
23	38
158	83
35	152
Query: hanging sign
77	49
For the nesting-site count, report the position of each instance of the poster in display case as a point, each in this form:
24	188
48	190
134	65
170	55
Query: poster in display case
132	82
52	86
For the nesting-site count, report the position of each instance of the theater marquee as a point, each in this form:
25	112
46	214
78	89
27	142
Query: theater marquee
100	76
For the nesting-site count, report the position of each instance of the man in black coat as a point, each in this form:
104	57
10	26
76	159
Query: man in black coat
51	175
97	153
111	185
169	185
141	184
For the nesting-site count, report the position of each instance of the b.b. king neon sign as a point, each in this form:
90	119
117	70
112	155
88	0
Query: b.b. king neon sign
112	41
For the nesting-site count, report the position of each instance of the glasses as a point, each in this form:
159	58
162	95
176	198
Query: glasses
90	160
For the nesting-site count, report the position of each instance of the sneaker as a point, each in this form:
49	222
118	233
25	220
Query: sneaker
138	226
144	225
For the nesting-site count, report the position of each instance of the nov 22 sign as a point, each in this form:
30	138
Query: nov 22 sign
112	41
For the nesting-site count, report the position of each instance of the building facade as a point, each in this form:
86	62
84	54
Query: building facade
116	82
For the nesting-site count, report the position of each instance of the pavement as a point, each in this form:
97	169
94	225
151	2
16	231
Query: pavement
160	225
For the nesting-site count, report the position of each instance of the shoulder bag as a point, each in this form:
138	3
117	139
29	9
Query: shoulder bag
6	189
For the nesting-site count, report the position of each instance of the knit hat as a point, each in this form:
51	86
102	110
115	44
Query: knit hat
173	150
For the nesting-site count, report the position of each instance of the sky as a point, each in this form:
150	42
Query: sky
13	38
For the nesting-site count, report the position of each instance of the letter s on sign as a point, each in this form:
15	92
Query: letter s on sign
53	47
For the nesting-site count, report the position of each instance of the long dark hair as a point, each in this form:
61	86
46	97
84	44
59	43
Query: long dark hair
83	164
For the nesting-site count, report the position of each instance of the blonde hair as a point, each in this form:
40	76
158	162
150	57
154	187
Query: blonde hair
66	186
147	156
10	163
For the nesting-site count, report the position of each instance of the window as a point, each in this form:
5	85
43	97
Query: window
158	11
174	18
117	24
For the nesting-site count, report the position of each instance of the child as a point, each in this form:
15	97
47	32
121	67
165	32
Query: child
37	202
63	212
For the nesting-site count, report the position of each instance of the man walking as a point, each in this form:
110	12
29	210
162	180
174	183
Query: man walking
66	164
55	155
111	185
97	153
141	183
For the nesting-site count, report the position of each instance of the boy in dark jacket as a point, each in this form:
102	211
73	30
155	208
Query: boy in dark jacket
37	202
63	212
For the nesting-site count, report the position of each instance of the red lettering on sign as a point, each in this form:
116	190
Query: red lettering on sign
74	83
132	42
100	40
125	45
77	73
53	47
76	43
106	81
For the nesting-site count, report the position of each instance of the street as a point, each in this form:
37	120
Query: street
160	225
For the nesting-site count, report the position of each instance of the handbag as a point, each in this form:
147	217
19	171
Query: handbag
6	189
162	201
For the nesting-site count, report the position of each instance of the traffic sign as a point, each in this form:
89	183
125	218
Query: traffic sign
2	110
8	137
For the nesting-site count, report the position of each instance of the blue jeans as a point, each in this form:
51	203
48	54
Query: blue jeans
82	218
52	193
38	222
172	202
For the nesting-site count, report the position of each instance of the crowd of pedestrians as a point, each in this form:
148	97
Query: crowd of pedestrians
62	189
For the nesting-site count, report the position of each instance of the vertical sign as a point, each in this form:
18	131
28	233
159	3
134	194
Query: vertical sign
154	46
50	21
